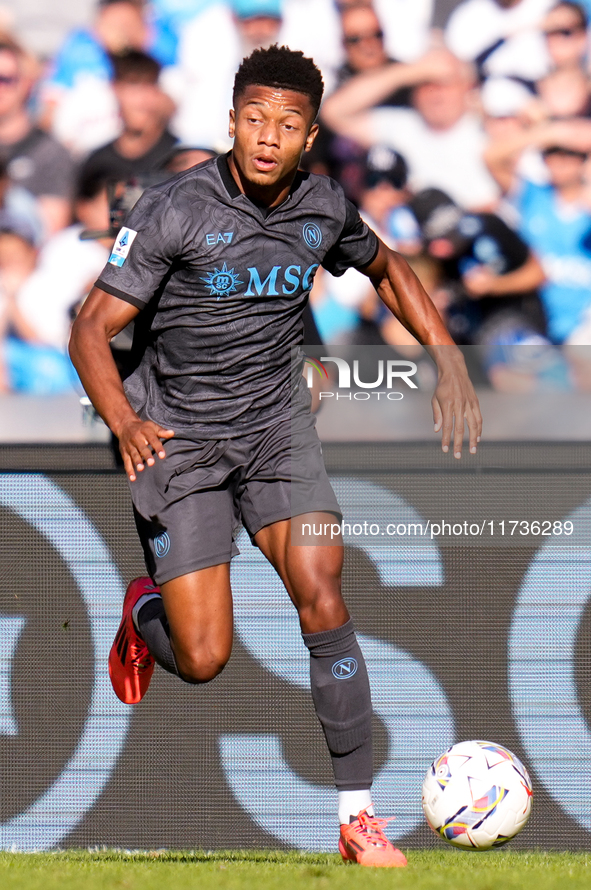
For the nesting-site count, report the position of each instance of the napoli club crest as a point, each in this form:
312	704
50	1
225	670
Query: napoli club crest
312	235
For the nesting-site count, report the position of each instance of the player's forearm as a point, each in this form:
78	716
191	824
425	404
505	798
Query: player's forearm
404	295
402	292
93	360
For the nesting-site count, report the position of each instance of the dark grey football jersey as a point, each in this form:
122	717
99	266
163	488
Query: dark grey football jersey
222	284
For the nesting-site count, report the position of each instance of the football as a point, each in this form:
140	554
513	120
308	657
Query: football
477	795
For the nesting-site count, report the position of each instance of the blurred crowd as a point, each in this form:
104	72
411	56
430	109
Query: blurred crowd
466	146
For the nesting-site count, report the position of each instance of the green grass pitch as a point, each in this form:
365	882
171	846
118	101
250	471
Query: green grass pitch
427	869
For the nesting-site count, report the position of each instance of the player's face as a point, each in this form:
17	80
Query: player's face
271	129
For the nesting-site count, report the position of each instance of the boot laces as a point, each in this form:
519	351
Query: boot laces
140	657
371	828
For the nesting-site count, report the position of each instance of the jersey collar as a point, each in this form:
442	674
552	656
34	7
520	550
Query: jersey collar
227	178
234	192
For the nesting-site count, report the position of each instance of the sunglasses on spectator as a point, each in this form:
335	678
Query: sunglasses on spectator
565	32
561	150
352	39
8	80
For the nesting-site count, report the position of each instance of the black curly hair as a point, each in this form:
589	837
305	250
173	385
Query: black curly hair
283	68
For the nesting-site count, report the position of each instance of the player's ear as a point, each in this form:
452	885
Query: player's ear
232	124
313	133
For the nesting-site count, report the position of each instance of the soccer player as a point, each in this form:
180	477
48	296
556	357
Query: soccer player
215	266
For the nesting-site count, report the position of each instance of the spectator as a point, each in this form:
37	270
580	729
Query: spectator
34	160
405	22
119	25
502	37
26	364
145	142
556	222
168	18
183	157
491	273
78	103
564	93
508	106
555	218
67	267
339	302
440	137
406	26
18	208
211	49
17	259
313	27
565	32
363	43
524	140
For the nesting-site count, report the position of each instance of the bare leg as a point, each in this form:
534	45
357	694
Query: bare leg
199	611
311	574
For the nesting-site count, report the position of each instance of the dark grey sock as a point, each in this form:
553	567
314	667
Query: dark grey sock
153	627
342	698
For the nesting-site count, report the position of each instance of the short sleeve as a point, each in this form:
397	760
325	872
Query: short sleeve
145	249
512	245
356	246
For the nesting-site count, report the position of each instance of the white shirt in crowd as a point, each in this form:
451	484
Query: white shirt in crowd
87	116
450	160
66	270
476	25
210	53
406	25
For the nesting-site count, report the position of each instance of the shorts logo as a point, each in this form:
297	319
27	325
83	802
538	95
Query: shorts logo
222	282
345	668
162	545
122	245
312	235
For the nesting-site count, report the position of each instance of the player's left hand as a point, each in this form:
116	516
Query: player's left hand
455	402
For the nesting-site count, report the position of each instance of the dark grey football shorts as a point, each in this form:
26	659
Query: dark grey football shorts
189	506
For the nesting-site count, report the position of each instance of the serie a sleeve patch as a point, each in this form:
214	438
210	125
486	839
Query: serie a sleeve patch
122	246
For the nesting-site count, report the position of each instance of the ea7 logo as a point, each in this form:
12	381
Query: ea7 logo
219	237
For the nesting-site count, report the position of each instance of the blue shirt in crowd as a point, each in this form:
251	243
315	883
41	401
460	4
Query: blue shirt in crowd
560	235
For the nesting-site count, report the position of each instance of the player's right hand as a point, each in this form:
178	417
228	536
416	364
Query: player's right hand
139	441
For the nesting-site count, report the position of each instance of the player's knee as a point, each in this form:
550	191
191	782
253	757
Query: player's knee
319	576
202	666
321	607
